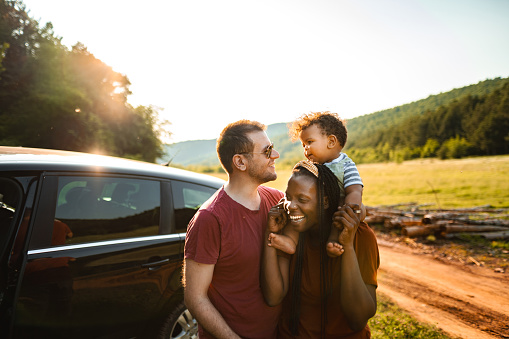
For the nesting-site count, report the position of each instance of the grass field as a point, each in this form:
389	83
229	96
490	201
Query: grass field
443	183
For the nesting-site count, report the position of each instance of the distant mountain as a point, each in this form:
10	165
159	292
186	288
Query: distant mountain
194	152
364	131
203	152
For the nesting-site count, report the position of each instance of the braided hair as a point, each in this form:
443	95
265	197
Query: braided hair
327	186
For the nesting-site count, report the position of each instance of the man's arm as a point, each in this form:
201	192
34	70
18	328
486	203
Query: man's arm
197	281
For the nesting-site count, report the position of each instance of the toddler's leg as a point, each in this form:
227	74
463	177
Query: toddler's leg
282	242
334	248
286	242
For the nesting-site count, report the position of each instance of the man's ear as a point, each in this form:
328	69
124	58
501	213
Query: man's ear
332	141
239	162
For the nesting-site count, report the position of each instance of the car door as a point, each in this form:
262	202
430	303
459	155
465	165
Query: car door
99	260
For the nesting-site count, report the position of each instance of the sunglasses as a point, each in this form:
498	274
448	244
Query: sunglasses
267	152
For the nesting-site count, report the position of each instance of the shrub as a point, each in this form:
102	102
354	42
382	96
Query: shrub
429	150
454	148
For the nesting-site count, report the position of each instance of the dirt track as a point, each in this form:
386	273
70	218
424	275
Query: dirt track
464	301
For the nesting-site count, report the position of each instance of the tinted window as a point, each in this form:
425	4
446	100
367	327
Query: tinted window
187	199
104	208
10	198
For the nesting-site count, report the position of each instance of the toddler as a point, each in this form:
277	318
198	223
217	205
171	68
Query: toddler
323	136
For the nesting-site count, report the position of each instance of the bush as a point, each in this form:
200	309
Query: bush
455	148
429	150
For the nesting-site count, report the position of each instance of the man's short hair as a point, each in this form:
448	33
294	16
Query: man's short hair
329	123
234	140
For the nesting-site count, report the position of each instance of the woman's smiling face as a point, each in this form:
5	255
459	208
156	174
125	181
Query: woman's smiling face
302	202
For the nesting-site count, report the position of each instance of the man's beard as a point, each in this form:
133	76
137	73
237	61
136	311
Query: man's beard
262	176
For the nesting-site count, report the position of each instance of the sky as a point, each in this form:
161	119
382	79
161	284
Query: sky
206	63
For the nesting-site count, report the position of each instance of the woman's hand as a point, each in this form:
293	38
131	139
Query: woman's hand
278	217
347	220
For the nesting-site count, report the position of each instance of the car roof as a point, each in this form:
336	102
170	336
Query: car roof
38	159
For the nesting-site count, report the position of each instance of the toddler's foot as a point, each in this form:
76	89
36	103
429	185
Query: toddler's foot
334	249
281	243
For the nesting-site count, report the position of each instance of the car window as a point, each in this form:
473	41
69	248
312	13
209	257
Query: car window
10	198
105	208
187	199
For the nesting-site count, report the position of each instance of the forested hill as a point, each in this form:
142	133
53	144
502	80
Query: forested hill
362	129
472	120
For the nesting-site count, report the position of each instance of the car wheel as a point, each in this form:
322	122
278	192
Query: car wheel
180	324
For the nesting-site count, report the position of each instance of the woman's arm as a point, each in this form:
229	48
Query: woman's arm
274	275
358	300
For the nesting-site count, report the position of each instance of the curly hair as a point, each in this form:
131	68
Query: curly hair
327	186
329	123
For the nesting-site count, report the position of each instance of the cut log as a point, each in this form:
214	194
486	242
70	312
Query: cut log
471	228
401	222
486	235
375	219
419	231
490	221
467	219
433	217
481	220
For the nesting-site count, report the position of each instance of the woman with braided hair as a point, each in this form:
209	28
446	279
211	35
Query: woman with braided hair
322	297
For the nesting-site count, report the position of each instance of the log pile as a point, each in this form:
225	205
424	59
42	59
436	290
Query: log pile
414	221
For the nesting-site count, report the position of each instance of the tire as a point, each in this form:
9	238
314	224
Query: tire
179	324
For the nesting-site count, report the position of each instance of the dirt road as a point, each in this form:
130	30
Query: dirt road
464	301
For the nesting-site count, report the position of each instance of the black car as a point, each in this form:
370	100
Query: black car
92	246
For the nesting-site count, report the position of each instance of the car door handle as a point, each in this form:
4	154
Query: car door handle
155	265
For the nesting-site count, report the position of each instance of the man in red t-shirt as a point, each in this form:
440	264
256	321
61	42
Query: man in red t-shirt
224	240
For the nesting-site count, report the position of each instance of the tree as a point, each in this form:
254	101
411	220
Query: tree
58	98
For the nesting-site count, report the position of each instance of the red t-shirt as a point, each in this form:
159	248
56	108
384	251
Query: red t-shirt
230	236
366	249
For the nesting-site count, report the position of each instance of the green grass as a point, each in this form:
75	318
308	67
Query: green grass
390	322
443	183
